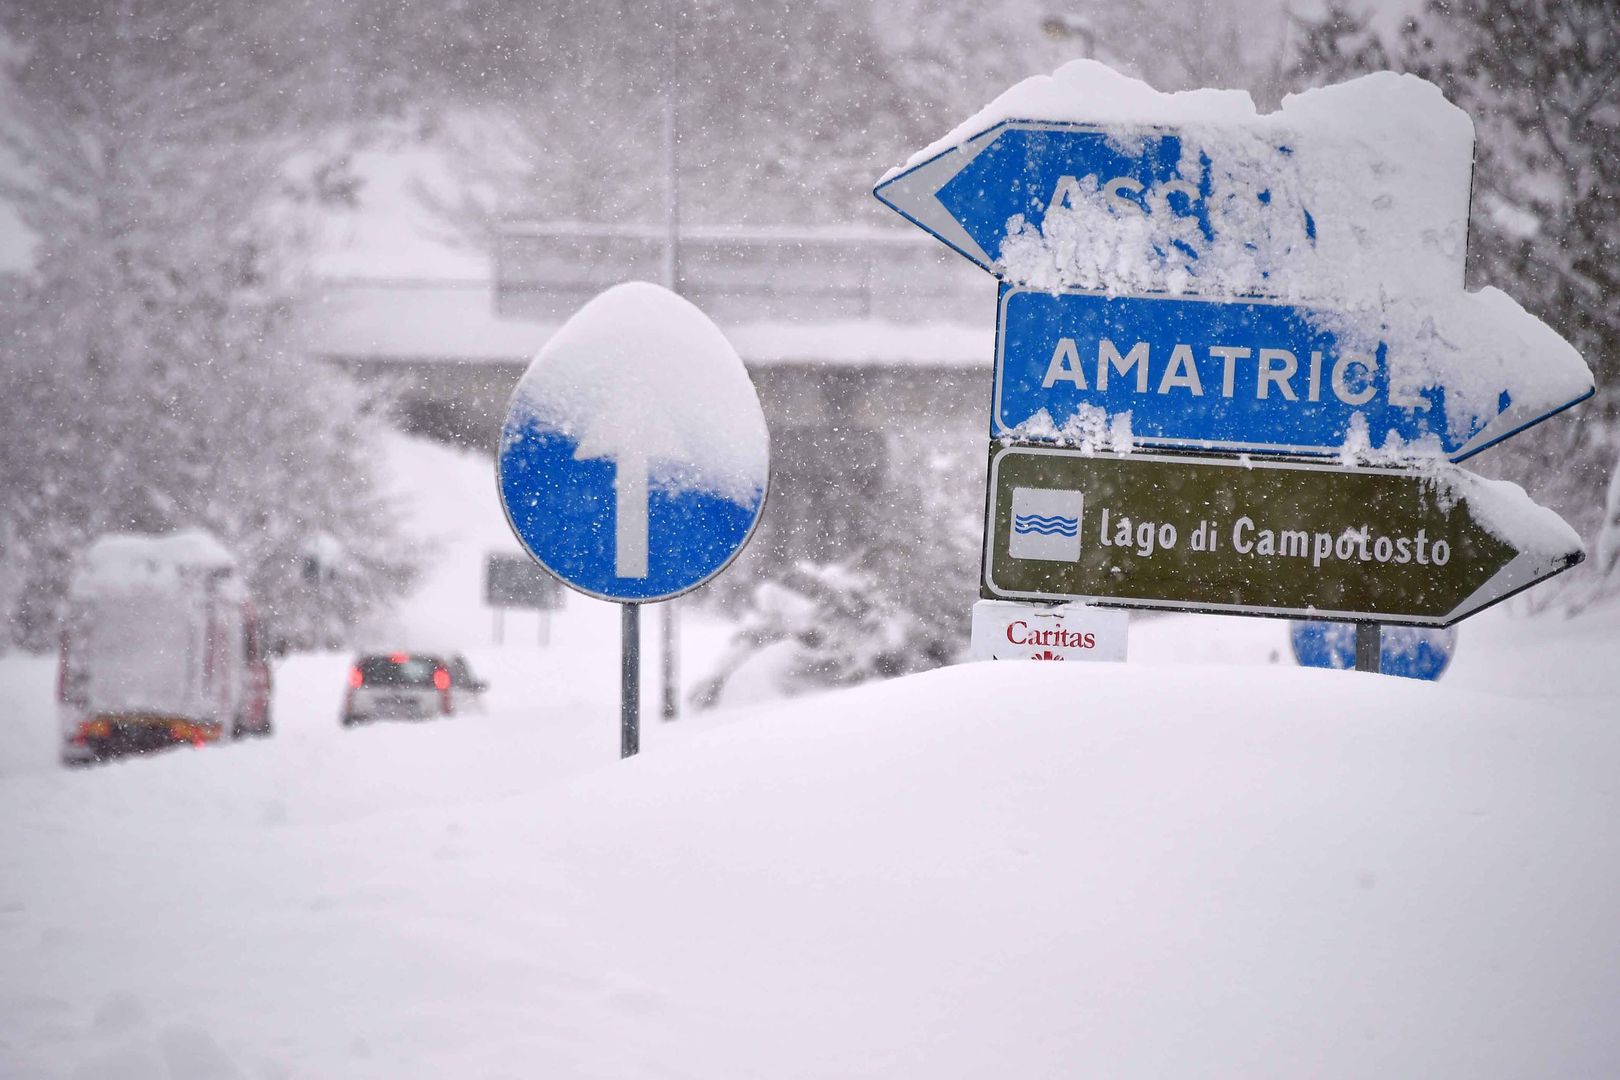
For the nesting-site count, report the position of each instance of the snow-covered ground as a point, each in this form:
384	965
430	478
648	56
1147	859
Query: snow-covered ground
1203	862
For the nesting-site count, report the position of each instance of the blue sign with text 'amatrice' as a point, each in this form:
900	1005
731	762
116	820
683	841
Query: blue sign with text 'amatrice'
1231	375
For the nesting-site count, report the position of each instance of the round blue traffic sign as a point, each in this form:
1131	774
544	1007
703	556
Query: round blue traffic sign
635	460
1412	652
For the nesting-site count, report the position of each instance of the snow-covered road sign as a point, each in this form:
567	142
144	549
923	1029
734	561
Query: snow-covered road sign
1265	376
635	459
1411	652
1180	190
1180	272
1273	538
514	581
966	195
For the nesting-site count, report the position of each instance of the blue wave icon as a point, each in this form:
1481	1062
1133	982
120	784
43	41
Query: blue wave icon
1055	525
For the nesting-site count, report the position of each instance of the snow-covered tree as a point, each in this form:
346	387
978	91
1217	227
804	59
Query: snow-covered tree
150	378
899	604
556	111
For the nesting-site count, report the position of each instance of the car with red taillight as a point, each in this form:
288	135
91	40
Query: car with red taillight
399	686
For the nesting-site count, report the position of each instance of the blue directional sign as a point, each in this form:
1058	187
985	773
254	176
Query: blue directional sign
1412	652
1231	375
634	460
1176	277
968	195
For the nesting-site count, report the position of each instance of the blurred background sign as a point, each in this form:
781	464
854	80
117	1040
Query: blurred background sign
514	581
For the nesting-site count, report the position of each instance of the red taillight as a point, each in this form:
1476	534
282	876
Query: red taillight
92	729
441	680
357	678
399	657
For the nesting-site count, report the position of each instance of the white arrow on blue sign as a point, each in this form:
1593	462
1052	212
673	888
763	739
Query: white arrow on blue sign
1249	375
966	195
635	459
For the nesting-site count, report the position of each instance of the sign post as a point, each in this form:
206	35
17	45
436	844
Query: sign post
1410	652
635	459
629	680
1369	646
1194	303
514	581
669	623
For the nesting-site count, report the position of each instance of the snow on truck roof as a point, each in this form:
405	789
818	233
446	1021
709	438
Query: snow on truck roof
140	560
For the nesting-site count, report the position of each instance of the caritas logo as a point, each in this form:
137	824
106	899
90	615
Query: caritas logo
1011	630
1019	633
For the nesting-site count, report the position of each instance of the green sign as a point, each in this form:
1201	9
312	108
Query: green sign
1262	537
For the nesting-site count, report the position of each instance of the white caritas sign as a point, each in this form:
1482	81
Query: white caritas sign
1009	630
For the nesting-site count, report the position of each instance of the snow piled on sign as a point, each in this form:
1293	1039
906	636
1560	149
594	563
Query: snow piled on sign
1365	189
641	369
1491	366
1503	509
1351	200
1090	429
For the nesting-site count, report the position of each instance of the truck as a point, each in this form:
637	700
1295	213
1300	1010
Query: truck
161	647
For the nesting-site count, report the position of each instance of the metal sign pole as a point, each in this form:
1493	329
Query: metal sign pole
672	661
1369	646
630	684
670	635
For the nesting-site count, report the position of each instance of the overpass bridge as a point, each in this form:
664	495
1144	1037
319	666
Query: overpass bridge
871	349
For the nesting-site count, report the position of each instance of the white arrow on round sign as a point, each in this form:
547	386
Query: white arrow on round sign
635	459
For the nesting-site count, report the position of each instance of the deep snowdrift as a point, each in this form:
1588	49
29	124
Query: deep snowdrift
992	870
1202	862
